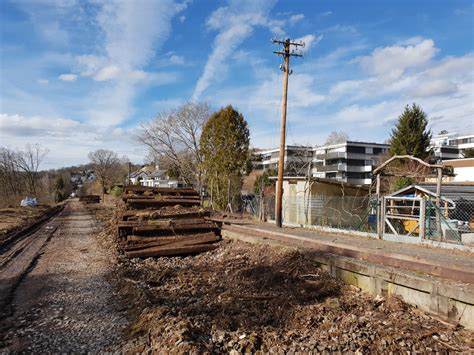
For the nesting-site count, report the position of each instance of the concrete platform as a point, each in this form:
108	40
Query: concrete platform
443	289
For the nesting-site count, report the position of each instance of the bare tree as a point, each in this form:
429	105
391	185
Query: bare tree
106	163
337	137
11	180
299	160
29	161
173	138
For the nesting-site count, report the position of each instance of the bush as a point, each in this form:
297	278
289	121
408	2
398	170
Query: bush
402	182
116	191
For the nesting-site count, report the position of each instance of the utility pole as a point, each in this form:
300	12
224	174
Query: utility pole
286	52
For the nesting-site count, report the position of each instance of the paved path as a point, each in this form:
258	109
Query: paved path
66	303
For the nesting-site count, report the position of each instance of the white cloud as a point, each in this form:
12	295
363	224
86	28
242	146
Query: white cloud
182	18
391	62
182	5
344	29
369	115
366	104
52	32
460	67
411	41
89	65
18	125
42	81
68	77
107	73
435	88
68	141
326	13
235	23
133	32
177	59
294	19
309	41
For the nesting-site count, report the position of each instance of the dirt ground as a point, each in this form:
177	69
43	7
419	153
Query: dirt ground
249	298
240	298
15	218
67	303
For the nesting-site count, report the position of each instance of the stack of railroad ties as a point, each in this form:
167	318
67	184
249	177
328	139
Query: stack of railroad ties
165	222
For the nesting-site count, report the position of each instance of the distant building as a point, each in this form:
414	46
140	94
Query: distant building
349	162
451	145
463	169
153	176
297	159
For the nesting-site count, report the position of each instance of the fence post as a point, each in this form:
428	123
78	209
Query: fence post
422	218
438	203
382	217
379	210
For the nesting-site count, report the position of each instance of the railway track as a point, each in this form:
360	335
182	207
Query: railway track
19	253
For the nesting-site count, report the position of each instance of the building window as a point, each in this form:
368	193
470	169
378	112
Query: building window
355	149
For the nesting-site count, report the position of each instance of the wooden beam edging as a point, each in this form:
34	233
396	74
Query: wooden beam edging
389	259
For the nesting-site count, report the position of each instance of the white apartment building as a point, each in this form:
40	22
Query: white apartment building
451	145
351	162
297	159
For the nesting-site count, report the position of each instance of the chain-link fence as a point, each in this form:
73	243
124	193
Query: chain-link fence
347	212
454	225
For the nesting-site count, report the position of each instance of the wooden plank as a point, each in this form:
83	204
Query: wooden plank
128	224
159	197
167	202
137	215
176	222
175	228
165	251
229	221
163	222
139	197
184	215
176	241
161	190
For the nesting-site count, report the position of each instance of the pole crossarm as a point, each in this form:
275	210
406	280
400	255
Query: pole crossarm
288	41
410	157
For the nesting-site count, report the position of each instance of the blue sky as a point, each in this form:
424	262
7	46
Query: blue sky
78	75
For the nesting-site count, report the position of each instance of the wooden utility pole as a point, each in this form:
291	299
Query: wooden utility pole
286	53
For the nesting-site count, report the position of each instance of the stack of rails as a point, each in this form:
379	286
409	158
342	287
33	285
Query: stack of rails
165	222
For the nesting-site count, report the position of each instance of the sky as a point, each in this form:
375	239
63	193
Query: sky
81	75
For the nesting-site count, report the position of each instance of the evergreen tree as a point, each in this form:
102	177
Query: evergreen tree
224	145
410	136
58	188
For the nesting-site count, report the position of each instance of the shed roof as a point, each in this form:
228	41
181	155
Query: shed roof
423	189
453	191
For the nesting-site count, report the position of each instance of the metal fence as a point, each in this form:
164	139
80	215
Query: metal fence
455	224
348	212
